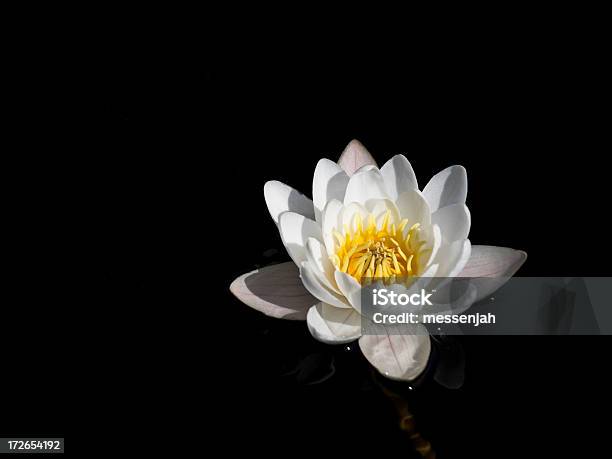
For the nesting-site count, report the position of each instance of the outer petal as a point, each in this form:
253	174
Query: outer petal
354	157
318	290
491	261
446	187
275	290
413	206
401	357
329	183
365	185
333	325
491	267
399	176
454	222
295	231
282	198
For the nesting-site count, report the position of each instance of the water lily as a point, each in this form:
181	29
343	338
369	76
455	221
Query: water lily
364	222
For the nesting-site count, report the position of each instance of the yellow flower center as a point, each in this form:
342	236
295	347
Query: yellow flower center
384	252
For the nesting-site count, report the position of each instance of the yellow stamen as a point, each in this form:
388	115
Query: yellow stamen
380	252
409	264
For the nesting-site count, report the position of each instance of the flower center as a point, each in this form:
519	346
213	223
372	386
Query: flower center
382	252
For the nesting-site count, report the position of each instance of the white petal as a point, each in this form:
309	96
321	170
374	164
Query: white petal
367	167
333	325
329	183
401	357
491	267
399	176
331	221
295	231
453	257
348	216
491	261
431	271
321	264
454	221
365	185
436	237
275	290
462	258
413	206
446	187
282	198
380	207
318	290
354	157
350	288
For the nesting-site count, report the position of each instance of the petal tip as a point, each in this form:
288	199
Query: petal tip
355	156
522	260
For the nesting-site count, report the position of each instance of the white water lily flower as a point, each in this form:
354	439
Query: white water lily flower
365	222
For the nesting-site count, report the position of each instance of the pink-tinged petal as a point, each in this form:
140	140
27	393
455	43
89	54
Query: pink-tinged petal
491	267
491	261
354	157
275	290
399	356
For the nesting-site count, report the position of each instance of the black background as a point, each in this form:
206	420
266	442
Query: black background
182	156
